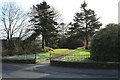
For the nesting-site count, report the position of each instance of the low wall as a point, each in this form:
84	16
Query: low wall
101	65
19	61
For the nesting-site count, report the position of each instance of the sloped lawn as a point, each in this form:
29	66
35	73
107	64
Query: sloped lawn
39	57
45	56
80	55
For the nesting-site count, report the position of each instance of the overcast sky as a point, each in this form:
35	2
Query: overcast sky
106	9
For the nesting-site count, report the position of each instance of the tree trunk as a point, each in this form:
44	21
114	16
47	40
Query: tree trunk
43	41
46	42
86	43
86	35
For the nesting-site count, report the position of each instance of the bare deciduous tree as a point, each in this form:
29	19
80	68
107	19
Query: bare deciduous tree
14	21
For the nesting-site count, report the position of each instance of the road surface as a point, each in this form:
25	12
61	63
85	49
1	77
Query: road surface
10	70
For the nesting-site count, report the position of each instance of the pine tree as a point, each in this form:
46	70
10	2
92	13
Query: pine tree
43	19
85	24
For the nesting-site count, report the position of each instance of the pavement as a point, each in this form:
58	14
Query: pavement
44	70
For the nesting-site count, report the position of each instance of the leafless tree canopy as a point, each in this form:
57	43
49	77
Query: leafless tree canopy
14	21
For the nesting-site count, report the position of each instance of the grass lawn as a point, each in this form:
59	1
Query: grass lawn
45	56
79	54
39	56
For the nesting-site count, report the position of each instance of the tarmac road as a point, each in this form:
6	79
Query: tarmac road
10	70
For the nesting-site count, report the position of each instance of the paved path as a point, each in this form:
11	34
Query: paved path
47	71
60	55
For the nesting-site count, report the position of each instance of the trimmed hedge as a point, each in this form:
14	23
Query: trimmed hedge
74	44
105	45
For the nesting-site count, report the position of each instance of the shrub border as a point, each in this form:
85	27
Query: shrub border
97	65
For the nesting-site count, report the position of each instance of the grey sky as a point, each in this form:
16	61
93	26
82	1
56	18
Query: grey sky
106	9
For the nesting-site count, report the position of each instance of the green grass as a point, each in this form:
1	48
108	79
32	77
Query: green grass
39	56
57	52
45	56
80	55
20	57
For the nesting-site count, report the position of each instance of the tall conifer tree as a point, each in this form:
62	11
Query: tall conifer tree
43	19
85	24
